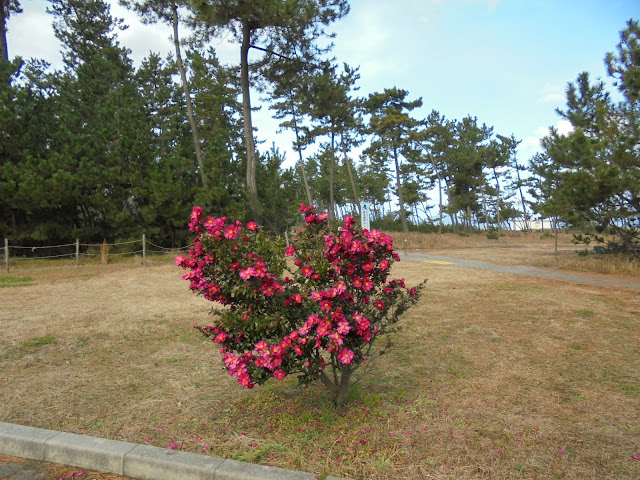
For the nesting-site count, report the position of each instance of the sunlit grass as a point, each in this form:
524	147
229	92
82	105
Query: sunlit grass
492	376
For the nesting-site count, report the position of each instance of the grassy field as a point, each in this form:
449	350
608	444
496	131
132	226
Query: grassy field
492	375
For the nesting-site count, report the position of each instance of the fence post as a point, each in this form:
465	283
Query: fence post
6	254
144	250
77	251
405	246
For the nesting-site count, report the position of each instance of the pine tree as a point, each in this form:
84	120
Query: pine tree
276	27
153	11
392	125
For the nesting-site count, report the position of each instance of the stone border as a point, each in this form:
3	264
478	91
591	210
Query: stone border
131	459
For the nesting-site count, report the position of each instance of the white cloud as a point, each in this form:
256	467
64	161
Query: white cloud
491	4
531	145
564	127
551	94
30	35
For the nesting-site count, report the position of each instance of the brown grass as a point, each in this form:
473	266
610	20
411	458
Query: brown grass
519	248
492	376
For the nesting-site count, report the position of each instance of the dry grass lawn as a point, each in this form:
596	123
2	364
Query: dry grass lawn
518	248
492	376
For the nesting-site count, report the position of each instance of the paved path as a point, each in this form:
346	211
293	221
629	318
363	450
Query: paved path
15	469
122	459
523	270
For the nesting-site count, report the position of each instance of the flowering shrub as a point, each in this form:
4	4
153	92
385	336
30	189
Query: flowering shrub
320	310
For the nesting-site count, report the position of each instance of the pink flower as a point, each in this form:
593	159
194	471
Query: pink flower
379	304
348	222
367	284
338	315
337	338
179	260
383	265
269	288
231	232
324	328
307	271
310	218
252	226
246	273
305	208
345	356
325	305
367	266
340	287
290	251
196	213
244	379
279	374
323	216
343	328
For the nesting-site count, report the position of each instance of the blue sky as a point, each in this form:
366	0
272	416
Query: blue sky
506	62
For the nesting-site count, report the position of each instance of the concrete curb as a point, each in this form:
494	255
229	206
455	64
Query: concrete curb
130	459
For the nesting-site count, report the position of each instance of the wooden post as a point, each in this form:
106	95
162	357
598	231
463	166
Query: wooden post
77	251
405	246
104	252
144	250
286	238
6	254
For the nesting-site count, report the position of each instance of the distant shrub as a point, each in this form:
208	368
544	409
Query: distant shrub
492	234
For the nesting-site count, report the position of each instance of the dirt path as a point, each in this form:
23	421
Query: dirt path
523	270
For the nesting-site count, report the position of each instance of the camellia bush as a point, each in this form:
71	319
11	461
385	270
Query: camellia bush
315	315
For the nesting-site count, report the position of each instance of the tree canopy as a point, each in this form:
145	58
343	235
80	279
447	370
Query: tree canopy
101	148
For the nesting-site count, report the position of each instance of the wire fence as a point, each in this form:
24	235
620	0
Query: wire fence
78	253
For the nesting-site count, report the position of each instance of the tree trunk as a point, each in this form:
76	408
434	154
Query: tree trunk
339	388
345	388
252	186
555	228
187	94
299	148
403	217
435	169
4	15
331	178
495	174
454	218
440	205
353	184
524	205
484	207
425	209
